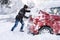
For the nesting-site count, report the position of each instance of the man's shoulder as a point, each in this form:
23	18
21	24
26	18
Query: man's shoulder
22	9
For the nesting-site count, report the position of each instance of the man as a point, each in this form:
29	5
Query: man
19	18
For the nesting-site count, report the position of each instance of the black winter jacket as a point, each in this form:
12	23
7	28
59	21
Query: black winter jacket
21	14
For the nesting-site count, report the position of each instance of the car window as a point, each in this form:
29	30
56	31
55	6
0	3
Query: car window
54	10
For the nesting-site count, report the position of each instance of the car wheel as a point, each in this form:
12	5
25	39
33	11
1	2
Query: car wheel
45	29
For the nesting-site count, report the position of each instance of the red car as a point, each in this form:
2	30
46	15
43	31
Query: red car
45	23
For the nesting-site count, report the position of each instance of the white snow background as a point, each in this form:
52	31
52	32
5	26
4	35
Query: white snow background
7	16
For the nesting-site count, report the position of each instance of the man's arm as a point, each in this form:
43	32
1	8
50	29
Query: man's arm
27	10
26	17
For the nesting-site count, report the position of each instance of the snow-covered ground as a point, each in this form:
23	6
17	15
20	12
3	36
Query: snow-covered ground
7	34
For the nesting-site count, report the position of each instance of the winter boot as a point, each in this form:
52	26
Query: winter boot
21	30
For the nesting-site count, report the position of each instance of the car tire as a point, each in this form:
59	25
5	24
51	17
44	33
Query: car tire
47	29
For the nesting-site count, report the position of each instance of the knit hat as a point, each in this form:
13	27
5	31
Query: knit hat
25	6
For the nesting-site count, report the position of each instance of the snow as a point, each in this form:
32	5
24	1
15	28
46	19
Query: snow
7	16
7	34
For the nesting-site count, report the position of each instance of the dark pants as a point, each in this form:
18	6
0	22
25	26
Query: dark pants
16	23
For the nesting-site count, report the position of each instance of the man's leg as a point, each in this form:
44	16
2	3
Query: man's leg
22	25
15	25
